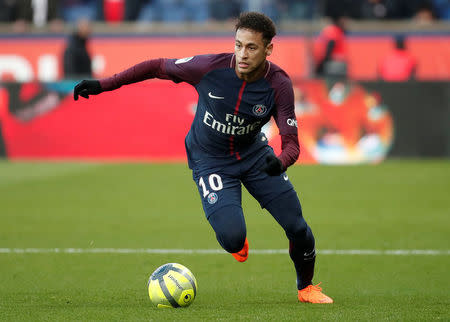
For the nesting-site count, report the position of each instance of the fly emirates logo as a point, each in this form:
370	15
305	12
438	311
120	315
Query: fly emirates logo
234	124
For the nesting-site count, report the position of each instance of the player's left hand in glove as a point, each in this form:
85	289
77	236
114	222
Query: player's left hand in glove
273	166
86	88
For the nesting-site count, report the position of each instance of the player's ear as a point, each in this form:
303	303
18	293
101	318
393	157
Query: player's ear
269	49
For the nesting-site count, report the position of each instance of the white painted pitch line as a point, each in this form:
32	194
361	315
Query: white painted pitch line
392	252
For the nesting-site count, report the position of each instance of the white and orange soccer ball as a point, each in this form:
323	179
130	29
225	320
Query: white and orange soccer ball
172	285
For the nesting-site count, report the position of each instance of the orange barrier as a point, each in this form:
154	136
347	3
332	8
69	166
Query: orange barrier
26	59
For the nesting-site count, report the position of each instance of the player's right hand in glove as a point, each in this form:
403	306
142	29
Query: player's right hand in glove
86	88
273	166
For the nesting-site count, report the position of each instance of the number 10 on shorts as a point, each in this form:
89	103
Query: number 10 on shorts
215	184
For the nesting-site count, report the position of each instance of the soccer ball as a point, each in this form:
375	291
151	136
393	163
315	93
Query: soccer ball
172	285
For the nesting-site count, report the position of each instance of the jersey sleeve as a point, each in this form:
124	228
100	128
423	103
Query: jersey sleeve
190	69
148	69
287	123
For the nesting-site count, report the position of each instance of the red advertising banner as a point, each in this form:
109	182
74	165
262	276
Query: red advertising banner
339	122
28	59
142	121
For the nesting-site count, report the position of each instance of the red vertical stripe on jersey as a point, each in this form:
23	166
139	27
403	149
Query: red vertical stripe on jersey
238	103
236	110
231	145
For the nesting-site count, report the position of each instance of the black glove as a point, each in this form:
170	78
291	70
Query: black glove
273	166
86	88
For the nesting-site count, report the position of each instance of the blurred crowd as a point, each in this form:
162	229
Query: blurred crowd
54	13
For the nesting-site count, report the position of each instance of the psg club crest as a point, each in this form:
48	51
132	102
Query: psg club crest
212	198
259	109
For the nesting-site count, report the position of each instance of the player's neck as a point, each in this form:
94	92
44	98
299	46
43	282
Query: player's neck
255	75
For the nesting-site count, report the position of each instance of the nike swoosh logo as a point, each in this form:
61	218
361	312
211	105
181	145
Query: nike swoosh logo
215	97
285	177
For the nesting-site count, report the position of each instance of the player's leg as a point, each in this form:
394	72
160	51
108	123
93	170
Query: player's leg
287	211
277	195
221	196
285	208
229	225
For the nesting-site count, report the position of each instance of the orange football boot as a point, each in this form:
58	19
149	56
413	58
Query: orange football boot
242	255
313	294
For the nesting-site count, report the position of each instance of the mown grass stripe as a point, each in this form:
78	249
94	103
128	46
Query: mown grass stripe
391	252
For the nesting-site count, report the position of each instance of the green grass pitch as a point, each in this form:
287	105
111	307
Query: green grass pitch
397	205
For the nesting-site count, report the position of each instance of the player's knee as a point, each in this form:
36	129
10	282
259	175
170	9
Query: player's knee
232	240
229	226
298	230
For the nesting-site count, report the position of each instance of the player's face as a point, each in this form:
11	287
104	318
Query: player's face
251	53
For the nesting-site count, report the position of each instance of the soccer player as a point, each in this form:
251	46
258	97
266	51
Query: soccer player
237	94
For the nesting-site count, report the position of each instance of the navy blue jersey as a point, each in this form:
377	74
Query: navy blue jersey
230	111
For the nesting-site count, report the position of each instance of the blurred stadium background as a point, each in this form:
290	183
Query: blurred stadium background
66	182
368	114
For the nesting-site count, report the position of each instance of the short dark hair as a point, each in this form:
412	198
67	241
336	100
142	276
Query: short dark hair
257	22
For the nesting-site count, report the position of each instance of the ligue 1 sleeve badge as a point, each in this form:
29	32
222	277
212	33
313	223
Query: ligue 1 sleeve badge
259	109
183	60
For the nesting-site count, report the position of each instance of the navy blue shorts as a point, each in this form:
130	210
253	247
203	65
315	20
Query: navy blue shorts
220	186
